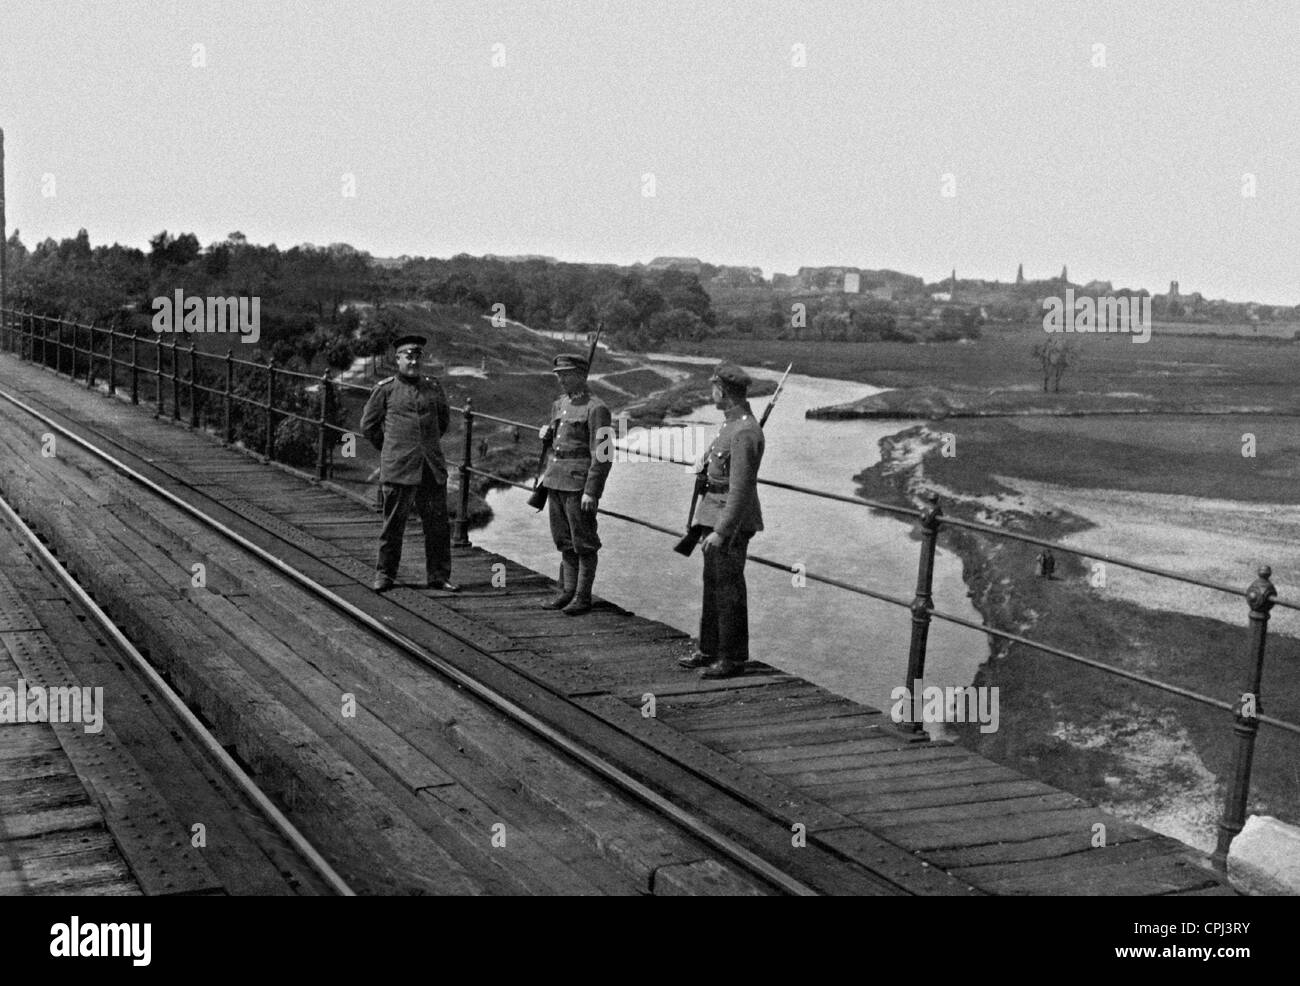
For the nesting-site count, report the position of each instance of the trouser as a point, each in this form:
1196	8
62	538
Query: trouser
724	614
430	499
571	527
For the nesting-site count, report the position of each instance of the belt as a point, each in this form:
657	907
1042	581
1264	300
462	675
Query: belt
718	487
575	453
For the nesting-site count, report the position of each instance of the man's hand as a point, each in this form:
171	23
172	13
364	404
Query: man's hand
544	433
588	504
714	540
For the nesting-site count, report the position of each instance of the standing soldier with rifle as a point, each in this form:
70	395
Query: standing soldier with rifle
581	456
727	517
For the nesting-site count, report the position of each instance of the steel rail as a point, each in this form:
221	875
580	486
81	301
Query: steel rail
593	761
211	746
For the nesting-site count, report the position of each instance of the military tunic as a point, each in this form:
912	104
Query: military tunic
731	503
580	461
406	420
730	508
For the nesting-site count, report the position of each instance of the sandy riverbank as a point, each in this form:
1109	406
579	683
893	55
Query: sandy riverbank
1145	755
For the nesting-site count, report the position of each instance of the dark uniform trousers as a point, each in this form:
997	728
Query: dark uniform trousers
724	614
571	527
430	499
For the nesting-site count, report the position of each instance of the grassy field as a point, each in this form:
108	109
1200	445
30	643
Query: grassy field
1180	368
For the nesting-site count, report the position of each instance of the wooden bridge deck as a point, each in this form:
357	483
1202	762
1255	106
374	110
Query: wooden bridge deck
921	817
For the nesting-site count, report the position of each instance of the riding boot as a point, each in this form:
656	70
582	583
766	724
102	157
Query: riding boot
568	582
582	596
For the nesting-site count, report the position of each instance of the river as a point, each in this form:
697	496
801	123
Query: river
850	644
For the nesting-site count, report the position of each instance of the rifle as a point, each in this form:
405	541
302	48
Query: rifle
537	499
695	531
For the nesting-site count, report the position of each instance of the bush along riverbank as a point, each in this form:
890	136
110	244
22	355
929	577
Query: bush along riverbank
1147	755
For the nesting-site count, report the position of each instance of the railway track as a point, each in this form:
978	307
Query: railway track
205	507
140	802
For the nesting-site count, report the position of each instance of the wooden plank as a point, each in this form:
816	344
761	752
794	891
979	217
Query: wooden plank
702	878
833	782
753	736
971	774
890	863
519	858
389	750
681	684
29	795
30	768
64	874
810	752
1134	869
993	791
976	824
1079	839
773	692
801	771
814	708
35	823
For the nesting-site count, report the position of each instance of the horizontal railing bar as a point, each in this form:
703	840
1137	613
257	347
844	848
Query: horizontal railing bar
905	604
505	421
1102	556
1081	552
1143	679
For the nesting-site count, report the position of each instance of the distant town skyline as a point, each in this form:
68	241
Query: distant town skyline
1140	144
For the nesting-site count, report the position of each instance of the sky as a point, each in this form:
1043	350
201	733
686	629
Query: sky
1138	142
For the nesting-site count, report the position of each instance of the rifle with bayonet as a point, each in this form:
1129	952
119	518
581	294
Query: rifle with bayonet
695	531
537	499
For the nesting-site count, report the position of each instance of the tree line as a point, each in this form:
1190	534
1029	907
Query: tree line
305	291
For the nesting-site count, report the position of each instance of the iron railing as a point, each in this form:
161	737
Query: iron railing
29	336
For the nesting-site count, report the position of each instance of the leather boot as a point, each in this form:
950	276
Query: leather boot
567	584
582	596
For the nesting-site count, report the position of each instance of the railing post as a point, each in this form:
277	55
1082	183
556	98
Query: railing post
270	403
90	359
176	380
931	518
461	536
227	428
194	404
158	374
112	362
58	346
135	368
1259	597
324	416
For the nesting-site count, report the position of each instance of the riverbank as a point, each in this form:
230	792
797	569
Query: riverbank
1144	754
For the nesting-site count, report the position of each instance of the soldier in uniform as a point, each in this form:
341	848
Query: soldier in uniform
405	419
729	514
575	476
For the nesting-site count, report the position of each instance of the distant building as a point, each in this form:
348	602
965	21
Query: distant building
692	265
852	282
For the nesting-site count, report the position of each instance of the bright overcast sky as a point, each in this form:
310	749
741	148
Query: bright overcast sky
1132	170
